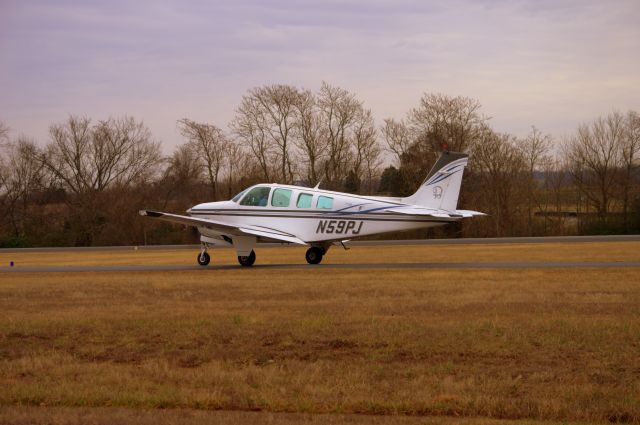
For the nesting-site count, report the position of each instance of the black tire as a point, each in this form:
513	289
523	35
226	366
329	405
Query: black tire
247	261
204	258
314	255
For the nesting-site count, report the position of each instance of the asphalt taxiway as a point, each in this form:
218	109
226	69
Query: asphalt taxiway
456	241
356	266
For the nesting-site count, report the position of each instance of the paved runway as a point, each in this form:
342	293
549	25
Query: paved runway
357	266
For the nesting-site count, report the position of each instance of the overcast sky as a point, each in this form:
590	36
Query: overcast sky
553	64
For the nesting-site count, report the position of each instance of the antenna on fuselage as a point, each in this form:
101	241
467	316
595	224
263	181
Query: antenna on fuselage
320	181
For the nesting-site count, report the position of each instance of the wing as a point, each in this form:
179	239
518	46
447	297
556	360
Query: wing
226	228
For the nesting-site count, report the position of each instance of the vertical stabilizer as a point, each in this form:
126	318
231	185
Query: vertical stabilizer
441	188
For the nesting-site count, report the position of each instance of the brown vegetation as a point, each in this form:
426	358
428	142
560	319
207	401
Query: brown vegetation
518	344
29	415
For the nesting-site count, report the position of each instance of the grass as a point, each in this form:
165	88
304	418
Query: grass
524	345
108	416
23	415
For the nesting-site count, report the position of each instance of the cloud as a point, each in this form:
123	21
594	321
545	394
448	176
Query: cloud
548	63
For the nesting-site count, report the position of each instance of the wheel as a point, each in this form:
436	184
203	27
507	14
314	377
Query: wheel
314	255
203	258
248	260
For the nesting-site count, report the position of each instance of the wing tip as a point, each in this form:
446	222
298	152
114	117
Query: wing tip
149	213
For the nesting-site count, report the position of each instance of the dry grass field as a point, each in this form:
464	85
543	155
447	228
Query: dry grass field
283	346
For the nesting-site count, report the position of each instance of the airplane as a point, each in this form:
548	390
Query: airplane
320	218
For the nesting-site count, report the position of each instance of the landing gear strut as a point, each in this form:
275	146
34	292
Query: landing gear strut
203	257
314	255
247	260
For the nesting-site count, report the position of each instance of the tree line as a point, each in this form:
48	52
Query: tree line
86	184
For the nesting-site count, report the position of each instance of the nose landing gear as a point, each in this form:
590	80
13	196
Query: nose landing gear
203	257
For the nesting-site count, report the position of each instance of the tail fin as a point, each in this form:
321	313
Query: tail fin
441	188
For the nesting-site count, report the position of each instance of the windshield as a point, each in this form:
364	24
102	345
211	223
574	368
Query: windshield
238	196
257	197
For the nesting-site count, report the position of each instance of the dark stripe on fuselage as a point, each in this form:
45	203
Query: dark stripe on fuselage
379	217
264	210
298	212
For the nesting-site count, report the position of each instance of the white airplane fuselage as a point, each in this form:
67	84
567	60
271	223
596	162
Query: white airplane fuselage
350	216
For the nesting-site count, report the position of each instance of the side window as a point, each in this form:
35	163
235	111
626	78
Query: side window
304	200
324	202
257	197
281	198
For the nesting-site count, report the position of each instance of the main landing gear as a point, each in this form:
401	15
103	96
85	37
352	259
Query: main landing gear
247	260
314	255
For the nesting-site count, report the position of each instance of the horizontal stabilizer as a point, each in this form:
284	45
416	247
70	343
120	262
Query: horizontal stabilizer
469	213
430	212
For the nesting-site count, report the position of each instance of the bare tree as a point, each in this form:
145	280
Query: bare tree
4	137
182	177
278	102
236	161
23	175
535	150
373	161
113	152
594	158
439	123
338	111
555	185
454	121
209	144
68	155
329	131
397	136
4	133
630	159
365	145
498	170
184	167
310	138
266	120
89	160
249	125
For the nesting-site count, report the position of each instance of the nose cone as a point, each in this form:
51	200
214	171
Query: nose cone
196	208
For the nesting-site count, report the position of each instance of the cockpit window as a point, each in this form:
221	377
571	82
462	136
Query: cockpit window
239	195
256	197
281	198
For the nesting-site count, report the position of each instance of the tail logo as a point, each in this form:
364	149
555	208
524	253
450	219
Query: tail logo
437	192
